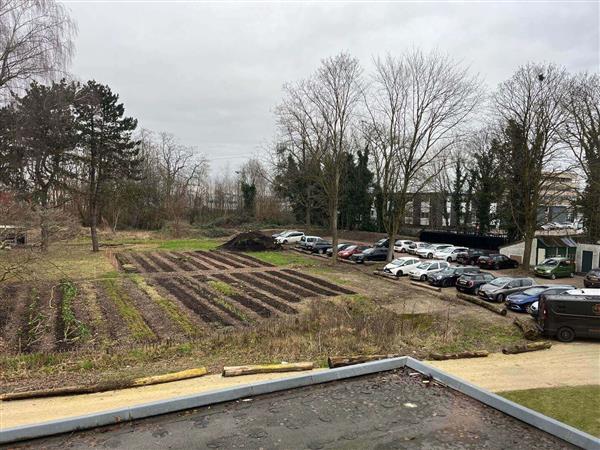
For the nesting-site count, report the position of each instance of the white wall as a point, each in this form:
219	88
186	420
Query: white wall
517	249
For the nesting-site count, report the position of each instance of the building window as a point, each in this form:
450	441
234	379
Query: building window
408	214
425	207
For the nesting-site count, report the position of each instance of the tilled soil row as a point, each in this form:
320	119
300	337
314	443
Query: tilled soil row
208	261
138	260
223	259
207	314
268	287
42	320
164	265
305	284
207	295
116	327
15	314
295	288
245	262
253	259
272	302
183	262
320	281
195	261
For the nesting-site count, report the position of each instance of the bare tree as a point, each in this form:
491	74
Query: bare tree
36	42
582	134
415	108
321	112
529	106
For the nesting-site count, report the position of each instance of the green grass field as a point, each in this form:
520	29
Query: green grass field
576	406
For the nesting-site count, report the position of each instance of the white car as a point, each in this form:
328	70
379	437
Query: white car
412	248
427	268
289	237
449	254
401	266
428	252
588	292
402	246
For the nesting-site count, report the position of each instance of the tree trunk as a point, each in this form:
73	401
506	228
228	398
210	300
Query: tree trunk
94	225
44	228
307	210
527	250
391	237
334	219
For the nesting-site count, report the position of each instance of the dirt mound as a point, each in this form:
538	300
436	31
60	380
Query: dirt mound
252	241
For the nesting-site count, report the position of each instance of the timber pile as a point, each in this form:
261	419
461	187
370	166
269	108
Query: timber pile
460	355
531	347
425	286
341	361
235	371
528	327
384	274
103	387
492	307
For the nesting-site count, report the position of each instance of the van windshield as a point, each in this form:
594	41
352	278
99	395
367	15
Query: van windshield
500	281
549	262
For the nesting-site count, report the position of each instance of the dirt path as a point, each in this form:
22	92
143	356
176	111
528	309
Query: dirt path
23	412
573	364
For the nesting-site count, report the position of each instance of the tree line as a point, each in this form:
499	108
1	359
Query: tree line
421	122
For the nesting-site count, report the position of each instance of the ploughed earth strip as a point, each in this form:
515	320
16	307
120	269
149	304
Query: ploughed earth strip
174	296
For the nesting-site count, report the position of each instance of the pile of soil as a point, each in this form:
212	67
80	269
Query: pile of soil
252	241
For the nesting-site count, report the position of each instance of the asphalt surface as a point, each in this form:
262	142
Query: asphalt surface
391	410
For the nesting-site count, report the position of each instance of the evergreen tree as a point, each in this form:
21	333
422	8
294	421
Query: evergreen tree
108	152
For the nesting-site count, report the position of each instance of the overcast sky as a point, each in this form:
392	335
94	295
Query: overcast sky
211	73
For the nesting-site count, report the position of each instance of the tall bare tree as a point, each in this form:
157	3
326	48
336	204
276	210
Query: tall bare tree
319	113
36	42
582	134
415	108
529	106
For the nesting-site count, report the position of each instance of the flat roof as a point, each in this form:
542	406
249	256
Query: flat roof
385	410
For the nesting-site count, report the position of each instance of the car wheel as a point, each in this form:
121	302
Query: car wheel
429	255
285	241
553	277
446	283
565	334
321	251
399	274
423	277
402	250
500	298
449	259
496	266
572	275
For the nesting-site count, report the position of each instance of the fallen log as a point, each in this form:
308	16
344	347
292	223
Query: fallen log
381	273
106	386
235	371
528	327
495	308
531	347
460	355
341	361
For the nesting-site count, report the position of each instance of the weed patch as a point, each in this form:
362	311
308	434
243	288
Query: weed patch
135	322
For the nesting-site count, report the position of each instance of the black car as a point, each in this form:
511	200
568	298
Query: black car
340	247
448	277
371	254
471	256
469	283
592	279
320	246
497	262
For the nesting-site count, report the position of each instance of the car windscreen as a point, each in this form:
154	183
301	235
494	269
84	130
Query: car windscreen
423	266
534	291
447	272
500	281
397	262
549	262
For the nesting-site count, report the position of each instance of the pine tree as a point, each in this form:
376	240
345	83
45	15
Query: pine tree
108	152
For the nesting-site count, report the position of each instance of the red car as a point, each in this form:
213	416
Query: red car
349	251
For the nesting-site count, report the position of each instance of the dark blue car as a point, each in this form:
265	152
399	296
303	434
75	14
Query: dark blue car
519	301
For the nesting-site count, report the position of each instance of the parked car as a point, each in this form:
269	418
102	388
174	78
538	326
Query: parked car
402	246
533	309
401	266
449	253
497	262
276	235
340	247
353	249
289	237
428	252
448	277
555	268
306	242
497	289
385	242
520	301
426	269
412	248
569	316
586	292
371	254
320	246
469	283
471	256
592	279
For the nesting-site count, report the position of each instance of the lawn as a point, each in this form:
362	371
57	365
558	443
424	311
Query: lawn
283	258
576	406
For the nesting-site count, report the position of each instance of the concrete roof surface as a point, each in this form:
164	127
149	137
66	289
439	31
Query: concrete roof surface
390	410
